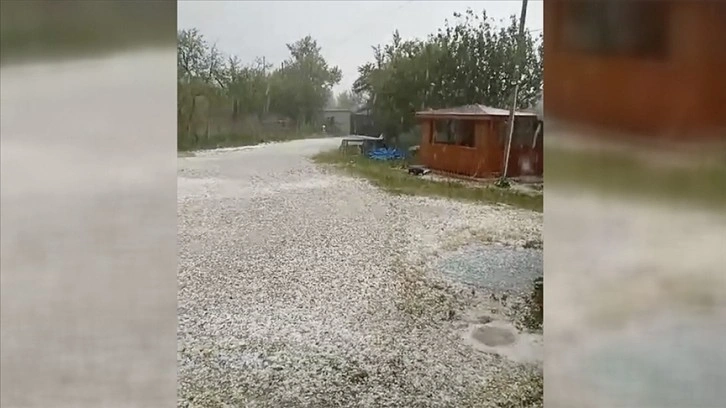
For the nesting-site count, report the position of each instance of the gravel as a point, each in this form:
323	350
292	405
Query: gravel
300	287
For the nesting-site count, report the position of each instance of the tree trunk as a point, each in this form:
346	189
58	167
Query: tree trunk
207	118
191	119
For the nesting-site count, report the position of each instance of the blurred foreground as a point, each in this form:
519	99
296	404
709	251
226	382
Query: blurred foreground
636	187
634	303
43	29
88	235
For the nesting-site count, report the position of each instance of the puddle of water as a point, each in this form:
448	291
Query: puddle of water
493	336
502	338
494	267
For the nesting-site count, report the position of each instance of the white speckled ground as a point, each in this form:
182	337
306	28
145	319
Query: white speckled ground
300	287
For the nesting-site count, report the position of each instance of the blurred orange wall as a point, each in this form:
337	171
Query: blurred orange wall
681	96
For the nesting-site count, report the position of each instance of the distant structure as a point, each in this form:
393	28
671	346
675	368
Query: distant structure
657	68
337	121
471	141
363	123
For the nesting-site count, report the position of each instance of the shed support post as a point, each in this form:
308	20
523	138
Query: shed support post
522	17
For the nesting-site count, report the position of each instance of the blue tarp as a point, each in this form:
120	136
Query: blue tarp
386	153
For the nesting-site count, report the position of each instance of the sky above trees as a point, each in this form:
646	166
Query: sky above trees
345	30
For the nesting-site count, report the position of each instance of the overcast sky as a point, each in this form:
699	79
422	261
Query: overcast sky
345	30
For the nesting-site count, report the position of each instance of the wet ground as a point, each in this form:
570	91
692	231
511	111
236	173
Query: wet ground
495	268
676	363
504	275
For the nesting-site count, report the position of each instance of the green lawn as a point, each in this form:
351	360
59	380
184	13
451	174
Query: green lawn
43	29
393	177
700	183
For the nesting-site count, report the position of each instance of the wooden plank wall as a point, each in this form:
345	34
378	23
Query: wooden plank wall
486	160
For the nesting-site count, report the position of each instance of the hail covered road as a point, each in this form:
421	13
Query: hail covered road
297	287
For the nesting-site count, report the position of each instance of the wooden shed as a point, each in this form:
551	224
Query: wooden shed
655	68
471	141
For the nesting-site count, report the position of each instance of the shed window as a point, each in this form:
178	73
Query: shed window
455	132
635	28
523	134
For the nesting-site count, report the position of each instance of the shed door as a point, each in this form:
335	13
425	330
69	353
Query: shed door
489	147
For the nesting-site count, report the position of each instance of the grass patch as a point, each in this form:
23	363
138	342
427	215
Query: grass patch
392	177
46	29
185	154
525	310
700	183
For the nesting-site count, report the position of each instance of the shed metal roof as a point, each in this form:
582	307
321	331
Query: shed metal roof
471	111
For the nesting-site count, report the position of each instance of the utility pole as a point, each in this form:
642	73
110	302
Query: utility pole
517	74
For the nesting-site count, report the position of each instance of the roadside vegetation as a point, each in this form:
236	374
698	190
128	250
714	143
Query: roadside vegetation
691	181
224	102
393	177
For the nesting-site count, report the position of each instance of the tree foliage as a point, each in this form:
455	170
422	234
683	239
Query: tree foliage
213	86
303	84
467	61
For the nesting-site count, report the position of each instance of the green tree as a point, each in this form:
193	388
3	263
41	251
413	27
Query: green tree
467	61
213	87
248	87
199	69
301	87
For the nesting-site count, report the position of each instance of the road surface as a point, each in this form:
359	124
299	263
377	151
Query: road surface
297	286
